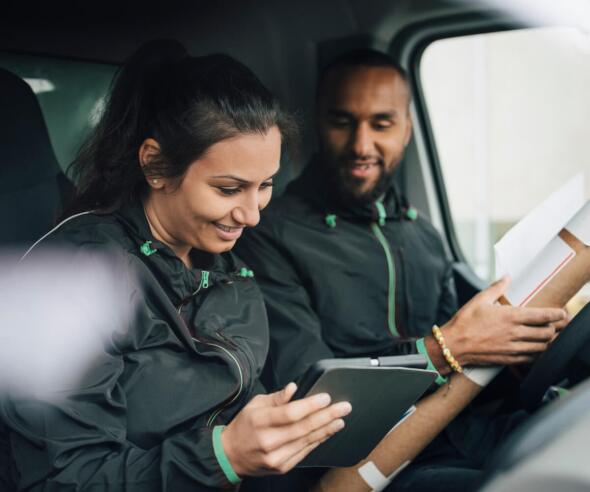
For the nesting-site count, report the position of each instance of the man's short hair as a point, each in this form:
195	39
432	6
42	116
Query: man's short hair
360	58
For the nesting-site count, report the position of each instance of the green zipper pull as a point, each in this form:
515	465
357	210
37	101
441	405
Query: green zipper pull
382	213
246	273
331	220
412	213
204	280
146	249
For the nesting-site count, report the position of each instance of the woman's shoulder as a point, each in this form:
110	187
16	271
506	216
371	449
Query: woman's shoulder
85	229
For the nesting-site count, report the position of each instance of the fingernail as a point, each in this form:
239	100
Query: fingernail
345	407
323	399
338	425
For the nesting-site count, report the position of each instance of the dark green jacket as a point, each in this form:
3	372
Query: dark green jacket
142	419
345	281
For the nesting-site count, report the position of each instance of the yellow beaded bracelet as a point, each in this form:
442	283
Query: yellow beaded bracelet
451	361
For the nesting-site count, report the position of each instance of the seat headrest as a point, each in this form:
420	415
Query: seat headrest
26	154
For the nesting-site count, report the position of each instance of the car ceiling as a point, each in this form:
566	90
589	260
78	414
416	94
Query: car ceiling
279	39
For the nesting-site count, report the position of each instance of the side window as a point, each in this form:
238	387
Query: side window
510	114
70	93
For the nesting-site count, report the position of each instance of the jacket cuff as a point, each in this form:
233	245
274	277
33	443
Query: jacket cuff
222	459
440	380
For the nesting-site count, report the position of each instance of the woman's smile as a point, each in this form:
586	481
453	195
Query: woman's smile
228	233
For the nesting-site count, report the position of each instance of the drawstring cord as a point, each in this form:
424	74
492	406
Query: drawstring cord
381	212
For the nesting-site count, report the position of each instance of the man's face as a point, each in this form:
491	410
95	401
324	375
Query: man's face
364	127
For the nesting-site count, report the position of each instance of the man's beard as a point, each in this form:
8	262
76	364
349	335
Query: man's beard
348	188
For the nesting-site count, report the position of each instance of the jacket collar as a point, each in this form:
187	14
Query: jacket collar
313	185
179	280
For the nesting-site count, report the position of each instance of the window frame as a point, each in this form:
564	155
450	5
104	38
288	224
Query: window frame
408	47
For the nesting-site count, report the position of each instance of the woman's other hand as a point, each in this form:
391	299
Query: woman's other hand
271	434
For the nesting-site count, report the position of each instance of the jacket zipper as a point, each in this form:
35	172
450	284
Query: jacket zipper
390	269
216	413
204	284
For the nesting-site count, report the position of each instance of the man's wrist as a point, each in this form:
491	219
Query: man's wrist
421	347
436	355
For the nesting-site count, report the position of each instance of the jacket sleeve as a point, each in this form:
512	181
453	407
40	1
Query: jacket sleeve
295	329
448	303
74	437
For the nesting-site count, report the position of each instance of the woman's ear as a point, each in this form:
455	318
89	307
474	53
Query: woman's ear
149	150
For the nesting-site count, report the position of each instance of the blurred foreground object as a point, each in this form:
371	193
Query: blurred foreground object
56	310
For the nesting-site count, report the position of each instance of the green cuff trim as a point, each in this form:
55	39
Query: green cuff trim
440	380
224	463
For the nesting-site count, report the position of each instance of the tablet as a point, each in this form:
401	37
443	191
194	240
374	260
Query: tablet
414	361
380	395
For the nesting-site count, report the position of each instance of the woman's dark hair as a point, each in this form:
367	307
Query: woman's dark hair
185	103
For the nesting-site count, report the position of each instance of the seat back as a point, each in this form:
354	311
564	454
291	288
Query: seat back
33	189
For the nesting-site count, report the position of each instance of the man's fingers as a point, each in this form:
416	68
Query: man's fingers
522	348
495	290
560	325
538	316
535	333
502	360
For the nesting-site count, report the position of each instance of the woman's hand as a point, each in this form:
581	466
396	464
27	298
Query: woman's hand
270	435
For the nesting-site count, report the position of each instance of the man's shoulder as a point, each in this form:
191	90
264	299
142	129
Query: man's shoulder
427	231
288	210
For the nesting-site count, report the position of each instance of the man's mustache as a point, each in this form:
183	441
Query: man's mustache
356	160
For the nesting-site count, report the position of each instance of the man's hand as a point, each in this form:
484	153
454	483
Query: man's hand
483	332
271	434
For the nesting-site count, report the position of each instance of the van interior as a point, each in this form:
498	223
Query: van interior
500	109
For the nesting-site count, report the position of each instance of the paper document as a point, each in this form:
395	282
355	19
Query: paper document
544	242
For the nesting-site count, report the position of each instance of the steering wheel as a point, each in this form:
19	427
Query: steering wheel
552	366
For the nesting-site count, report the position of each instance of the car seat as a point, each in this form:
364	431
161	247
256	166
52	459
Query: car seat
33	189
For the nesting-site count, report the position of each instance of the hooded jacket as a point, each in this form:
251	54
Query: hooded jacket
345	281
147	415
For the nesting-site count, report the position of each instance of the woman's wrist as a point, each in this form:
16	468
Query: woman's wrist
225	455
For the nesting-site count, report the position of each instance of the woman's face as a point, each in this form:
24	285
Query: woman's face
221	194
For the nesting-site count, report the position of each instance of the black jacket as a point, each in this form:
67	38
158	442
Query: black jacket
142	418
341	281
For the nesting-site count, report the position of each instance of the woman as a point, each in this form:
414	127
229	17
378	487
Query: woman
180	163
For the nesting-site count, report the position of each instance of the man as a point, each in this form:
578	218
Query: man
348	268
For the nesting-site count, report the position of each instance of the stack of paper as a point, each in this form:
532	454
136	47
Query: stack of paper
547	254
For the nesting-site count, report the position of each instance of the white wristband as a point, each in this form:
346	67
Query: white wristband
374	478
481	375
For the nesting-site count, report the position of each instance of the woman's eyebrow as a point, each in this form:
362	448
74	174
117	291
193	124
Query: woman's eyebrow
238	179
231	176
